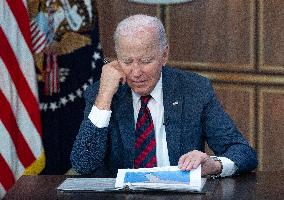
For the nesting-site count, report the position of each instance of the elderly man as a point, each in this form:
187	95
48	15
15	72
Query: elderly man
144	114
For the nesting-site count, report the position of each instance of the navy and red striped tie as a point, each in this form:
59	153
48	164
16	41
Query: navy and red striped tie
145	145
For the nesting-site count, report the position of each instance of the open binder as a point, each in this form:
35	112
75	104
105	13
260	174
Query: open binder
160	178
143	179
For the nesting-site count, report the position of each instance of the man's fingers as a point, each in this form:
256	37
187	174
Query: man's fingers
192	160
196	163
181	160
190	165
186	163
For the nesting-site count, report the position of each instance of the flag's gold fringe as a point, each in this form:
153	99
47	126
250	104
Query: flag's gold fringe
72	41
33	7
37	166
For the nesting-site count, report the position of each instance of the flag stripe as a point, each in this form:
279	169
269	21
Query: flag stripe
56	76
10	156
39	47
24	122
39	44
6	175
33	27
35	36
6	115
21	84
20	12
17	42
51	64
38	39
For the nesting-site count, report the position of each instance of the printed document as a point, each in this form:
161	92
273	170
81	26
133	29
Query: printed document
160	178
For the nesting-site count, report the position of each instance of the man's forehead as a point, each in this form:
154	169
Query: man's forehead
139	32
138	45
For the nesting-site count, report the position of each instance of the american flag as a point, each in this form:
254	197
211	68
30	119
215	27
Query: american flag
39	28
21	150
42	36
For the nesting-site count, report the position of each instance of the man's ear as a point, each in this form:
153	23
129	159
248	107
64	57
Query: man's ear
165	55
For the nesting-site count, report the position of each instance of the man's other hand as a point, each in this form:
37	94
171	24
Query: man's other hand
193	159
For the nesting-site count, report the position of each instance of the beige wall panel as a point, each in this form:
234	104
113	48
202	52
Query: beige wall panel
213	34
271	35
113	11
271	129
239	103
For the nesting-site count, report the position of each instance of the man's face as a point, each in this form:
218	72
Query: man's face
141	60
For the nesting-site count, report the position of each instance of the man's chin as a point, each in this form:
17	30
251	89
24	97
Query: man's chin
141	91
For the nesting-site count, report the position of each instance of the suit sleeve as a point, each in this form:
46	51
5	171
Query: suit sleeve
223	136
89	149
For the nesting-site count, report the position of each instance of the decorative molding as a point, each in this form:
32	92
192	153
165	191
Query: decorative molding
262	66
260	131
252	32
206	66
167	21
271	68
244	78
158	11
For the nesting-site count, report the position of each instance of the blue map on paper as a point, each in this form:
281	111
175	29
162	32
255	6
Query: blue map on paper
158	177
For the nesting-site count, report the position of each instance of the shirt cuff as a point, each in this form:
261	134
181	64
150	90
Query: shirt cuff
100	118
229	167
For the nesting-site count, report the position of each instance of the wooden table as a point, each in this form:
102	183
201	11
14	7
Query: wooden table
260	185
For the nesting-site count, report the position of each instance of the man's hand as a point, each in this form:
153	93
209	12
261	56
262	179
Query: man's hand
193	159
111	76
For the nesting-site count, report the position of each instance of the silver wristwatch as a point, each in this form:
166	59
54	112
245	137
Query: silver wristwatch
214	176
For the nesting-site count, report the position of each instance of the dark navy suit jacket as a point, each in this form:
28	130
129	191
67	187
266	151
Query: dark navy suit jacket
198	117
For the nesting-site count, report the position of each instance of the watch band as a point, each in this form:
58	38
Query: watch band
215	176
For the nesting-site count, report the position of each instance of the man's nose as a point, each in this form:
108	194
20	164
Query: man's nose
136	70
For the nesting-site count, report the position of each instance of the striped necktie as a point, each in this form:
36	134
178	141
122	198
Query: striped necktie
145	145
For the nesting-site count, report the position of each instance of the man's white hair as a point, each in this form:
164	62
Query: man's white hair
140	23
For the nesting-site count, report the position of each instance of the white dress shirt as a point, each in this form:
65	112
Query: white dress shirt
101	118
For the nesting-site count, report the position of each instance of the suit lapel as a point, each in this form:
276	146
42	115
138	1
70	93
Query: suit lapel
173	105
126	124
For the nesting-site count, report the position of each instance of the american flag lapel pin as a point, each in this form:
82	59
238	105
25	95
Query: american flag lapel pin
175	103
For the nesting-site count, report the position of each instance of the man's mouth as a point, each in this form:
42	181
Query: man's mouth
142	81
138	83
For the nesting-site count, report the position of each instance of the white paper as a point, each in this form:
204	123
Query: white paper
88	184
160	178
